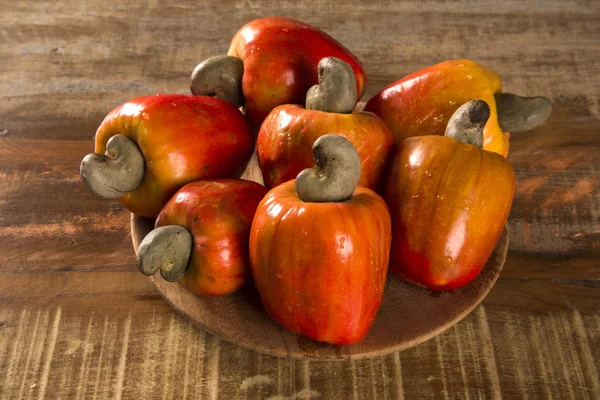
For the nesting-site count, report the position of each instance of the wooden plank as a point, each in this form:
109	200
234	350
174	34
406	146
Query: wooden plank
162	355
70	60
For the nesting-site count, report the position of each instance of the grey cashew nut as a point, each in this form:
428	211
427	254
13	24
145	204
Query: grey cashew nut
336	174
167	248
336	91
520	114
117	172
468	121
220	76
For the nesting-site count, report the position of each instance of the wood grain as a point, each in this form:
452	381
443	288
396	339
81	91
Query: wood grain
78	321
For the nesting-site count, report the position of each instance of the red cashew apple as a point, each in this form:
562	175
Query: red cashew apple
156	144
271	61
201	236
449	200
421	103
284	143
319	248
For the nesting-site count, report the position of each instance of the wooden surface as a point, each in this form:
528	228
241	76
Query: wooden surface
409	315
78	321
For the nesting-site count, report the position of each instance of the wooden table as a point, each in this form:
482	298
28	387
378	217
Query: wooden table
78	321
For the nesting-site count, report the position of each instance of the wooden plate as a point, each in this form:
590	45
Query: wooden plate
409	315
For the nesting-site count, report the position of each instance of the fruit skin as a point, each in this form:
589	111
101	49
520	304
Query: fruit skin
285	140
218	213
449	202
422	103
320	268
183	138
280	58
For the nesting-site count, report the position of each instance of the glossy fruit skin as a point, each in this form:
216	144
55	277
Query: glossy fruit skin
285	140
280	58
449	202
320	268
218	213
183	138
422	103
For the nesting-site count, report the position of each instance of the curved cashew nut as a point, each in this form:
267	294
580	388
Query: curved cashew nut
116	173
167	248
468	121
219	76
335	175
520	114
336	91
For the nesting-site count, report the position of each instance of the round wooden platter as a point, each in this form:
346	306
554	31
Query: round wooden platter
409	315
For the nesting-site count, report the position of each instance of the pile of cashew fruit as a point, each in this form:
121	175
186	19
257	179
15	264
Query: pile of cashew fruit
417	182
